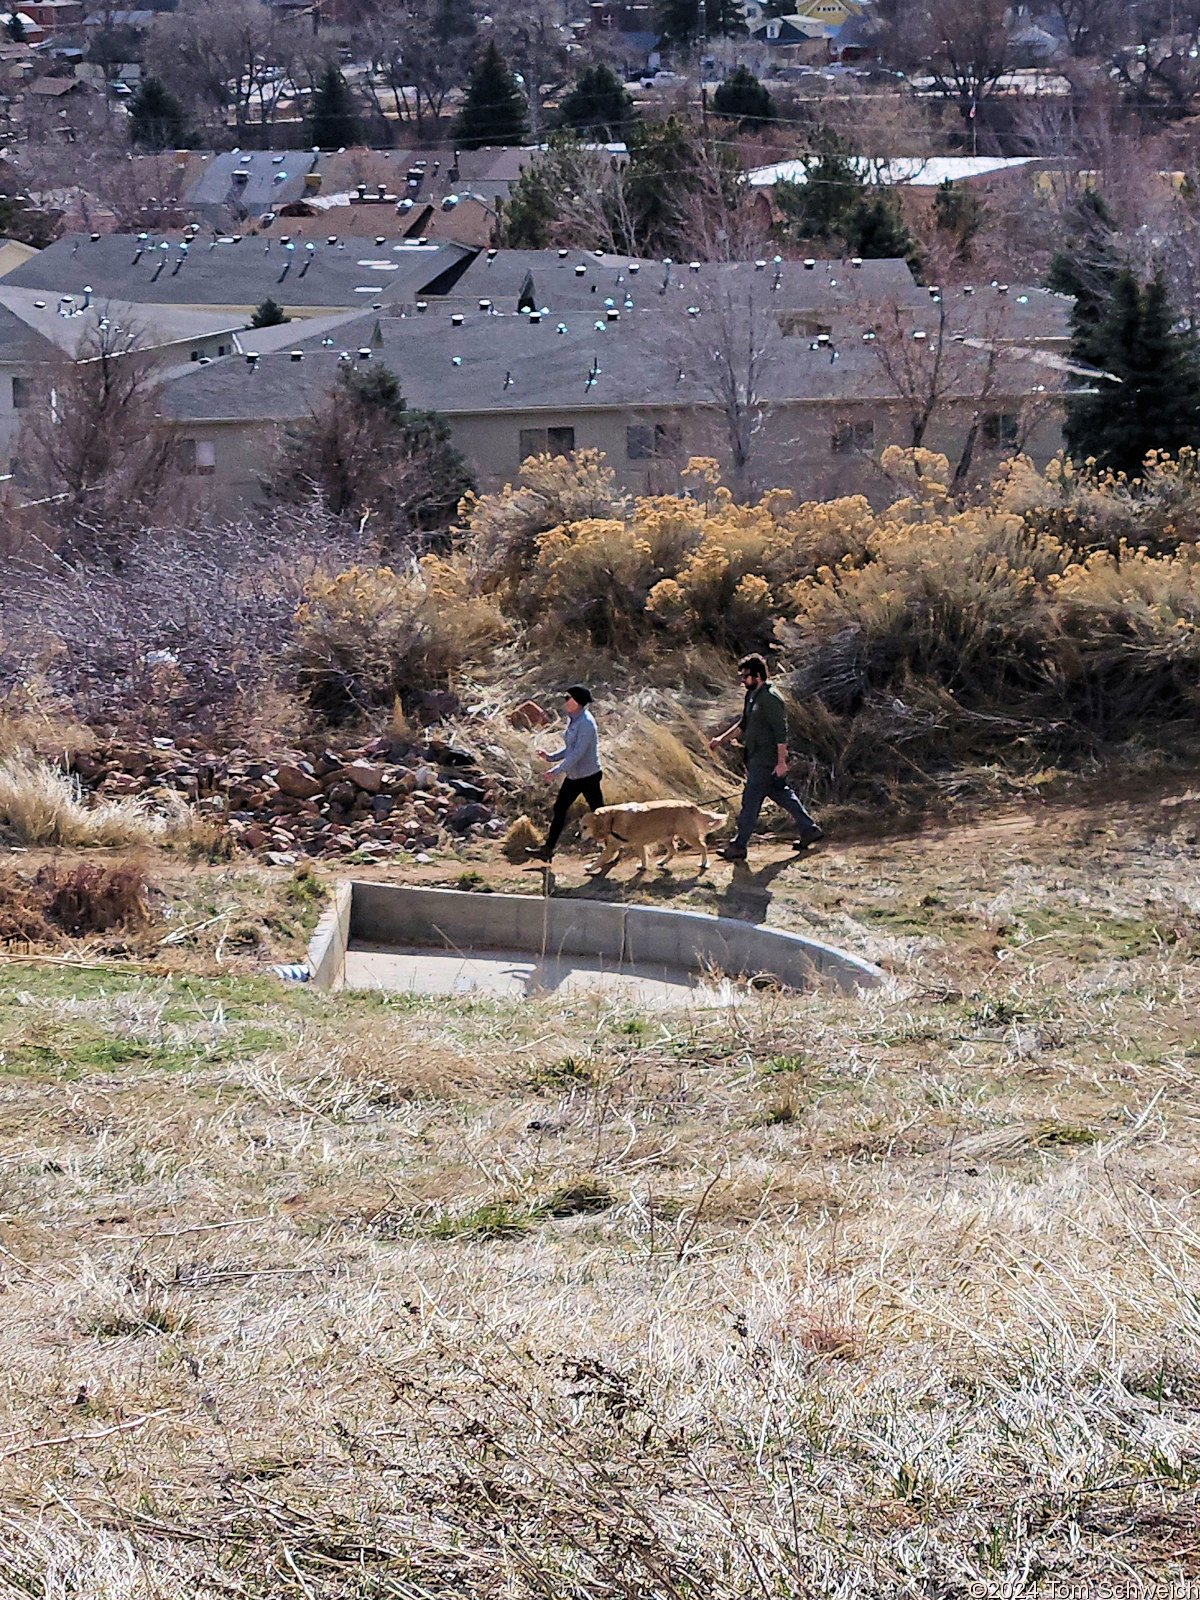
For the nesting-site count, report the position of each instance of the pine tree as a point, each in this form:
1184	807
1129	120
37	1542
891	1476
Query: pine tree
493	111
875	230
598	103
819	207
156	118
959	212
270	314
682	22
15	28
1155	405
741	96
333	120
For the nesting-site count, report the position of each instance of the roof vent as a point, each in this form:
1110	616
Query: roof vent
297	355
634	267
485	305
1001	288
456	320
693	266
380	239
760	266
535	316
613	315
365	353
869	337
920	334
824	340
422	305
809	264
693	311
343	355
491	255
562	255
404	205
935	291
241	176
580	270
237	238
562	328
969	289
251	358
856	261
382	190
95	238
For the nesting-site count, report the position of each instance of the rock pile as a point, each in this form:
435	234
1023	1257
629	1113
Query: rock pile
380	798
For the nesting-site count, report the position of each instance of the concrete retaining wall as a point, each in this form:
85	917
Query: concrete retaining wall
394	914
327	947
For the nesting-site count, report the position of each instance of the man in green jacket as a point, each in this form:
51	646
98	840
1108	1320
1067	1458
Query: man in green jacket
763	729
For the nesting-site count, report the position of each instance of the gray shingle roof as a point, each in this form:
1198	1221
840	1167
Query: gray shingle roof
354	273
559	284
649	358
272	179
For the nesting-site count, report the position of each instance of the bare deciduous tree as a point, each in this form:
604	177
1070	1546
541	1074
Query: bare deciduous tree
94	450
731	347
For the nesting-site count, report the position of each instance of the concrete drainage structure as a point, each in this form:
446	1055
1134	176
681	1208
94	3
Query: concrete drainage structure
391	936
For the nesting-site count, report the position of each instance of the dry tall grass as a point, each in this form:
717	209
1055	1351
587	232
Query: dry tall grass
464	1299
42	805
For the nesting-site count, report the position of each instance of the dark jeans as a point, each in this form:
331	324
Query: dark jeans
566	797
761	784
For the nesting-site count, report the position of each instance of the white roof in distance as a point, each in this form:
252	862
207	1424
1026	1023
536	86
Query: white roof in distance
921	172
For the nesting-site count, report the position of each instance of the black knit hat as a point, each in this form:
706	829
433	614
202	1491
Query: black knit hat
579	694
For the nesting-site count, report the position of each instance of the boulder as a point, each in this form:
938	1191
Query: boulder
297	784
529	715
365	775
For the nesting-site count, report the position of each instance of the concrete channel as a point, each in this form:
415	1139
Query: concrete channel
449	941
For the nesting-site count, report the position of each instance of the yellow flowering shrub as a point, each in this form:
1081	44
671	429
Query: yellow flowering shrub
370	633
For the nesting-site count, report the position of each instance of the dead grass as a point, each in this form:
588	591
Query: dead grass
361	1296
42	805
77	901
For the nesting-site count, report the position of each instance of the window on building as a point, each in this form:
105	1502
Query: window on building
852	436
546	441
21	395
195	355
1001	428
197	457
646	441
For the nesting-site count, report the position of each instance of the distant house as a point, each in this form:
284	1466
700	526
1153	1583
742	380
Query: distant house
528	351
52	16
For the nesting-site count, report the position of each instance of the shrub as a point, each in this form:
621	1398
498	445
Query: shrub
371	633
41	805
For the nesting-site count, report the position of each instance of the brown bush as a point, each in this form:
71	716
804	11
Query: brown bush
78	901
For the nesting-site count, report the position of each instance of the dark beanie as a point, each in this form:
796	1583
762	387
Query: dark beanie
579	694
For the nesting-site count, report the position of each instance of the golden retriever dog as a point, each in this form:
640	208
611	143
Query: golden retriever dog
646	822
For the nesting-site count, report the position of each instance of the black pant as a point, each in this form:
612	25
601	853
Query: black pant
566	797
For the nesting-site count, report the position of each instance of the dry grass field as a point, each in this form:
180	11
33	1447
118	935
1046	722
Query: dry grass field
365	1296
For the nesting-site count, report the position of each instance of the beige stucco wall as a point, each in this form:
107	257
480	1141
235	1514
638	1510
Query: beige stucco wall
793	450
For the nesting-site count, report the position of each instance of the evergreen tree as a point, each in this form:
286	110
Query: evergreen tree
959	212
741	96
270	314
1087	269
156	118
333	119
819	207
598	104
493	111
1155	405
875	230
15	28
682	22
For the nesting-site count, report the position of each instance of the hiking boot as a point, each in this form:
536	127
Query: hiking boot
538	852
732	852
813	836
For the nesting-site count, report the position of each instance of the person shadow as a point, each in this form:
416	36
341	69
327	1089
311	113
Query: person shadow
747	896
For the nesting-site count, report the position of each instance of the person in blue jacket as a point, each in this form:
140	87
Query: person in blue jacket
577	763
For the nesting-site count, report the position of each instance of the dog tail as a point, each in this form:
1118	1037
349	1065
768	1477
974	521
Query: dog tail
715	819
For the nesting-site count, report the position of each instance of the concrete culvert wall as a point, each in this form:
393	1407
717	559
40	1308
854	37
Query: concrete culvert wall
608	939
